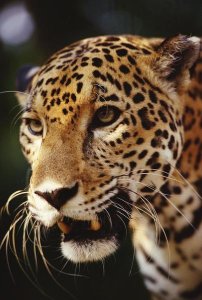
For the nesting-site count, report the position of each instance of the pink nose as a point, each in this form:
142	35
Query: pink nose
59	197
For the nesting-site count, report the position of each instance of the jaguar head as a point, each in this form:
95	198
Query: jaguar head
102	131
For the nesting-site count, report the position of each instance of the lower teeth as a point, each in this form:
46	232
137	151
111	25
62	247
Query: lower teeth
64	227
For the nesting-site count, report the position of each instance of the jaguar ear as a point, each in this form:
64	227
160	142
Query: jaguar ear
174	58
23	80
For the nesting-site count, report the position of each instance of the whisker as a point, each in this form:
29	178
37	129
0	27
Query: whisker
15	91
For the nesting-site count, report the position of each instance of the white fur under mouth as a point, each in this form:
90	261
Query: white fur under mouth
89	251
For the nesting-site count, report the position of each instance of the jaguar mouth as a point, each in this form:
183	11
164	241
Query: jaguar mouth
93	240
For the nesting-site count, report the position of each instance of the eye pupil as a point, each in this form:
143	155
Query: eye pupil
34	126
105	116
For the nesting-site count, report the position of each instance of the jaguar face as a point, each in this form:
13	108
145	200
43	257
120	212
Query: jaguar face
102	132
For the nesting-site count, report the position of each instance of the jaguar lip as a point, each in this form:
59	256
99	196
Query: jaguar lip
109	223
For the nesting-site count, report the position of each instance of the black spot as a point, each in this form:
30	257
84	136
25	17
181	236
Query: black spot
68	82
118	85
110	78
126	121
173	127
187	144
106	50
166	274
127	88
139	79
112	38
96	74
142	154
131	60
158	132
73	97
84	64
138	98
39	83
133	120
152	96
139	141
79	76
121	52
125	135
145	51
162	116
177	190
171	142
147	189
65	112
129	154
112	143
109	58
152	159
124	69
155	142
146	123
97	62
166	169
52	102
79	87
58	101
132	165
174	265
165	134
44	93
112	97
156	166
149	278
129	46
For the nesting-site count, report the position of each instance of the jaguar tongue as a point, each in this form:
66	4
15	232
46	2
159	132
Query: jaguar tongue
64	227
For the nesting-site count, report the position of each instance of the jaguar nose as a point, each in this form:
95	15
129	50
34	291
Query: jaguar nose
59	197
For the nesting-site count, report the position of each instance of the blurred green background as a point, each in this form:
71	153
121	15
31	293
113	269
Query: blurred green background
30	31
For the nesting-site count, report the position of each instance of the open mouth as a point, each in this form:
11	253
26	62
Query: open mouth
110	223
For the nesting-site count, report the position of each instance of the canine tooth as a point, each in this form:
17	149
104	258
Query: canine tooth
64	227
95	225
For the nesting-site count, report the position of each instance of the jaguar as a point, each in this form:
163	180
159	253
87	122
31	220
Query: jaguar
112	129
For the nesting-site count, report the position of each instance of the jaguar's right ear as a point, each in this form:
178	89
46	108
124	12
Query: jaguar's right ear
23	80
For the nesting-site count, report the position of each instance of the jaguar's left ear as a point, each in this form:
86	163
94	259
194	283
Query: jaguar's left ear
23	80
173	59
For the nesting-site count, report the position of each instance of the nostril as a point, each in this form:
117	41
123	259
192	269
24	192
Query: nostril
65	194
59	197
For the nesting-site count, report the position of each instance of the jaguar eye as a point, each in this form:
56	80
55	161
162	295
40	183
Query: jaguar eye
105	116
34	126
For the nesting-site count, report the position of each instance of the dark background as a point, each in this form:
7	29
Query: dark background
56	24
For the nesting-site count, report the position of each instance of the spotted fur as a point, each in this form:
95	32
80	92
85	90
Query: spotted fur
144	167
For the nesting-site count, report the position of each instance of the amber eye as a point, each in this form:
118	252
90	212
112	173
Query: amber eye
105	116
34	126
